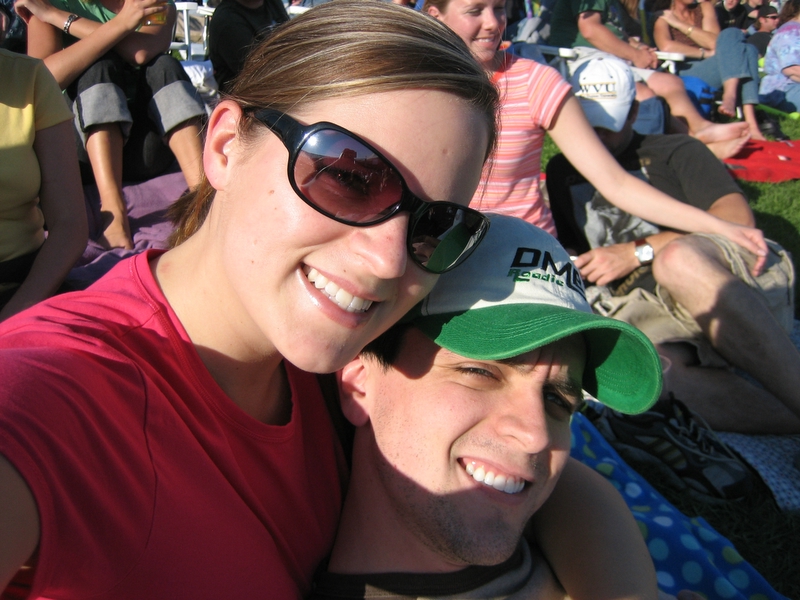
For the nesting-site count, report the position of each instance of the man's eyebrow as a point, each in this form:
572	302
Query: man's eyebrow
570	386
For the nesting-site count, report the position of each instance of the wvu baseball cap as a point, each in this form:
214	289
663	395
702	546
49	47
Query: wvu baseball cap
606	90
519	291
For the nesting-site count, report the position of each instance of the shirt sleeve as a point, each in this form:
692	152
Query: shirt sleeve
546	95
50	104
787	48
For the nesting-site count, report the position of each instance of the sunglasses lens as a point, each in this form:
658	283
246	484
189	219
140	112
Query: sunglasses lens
346	179
442	235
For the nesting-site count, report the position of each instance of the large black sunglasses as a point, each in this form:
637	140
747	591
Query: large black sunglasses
341	176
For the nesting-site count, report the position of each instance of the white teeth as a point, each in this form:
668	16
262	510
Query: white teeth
343	299
502	483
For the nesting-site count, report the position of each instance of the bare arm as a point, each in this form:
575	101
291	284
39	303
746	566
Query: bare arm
603	265
45	24
19	522
577	140
792	73
704	36
591	26
591	540
733	208
61	201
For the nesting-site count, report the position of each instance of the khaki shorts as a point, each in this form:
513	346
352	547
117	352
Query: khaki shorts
664	320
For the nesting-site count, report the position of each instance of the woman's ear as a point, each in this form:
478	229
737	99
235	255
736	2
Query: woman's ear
352	380
221	134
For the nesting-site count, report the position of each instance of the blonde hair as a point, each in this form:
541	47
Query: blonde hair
347	48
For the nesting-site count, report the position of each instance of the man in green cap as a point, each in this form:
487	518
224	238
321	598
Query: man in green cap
462	416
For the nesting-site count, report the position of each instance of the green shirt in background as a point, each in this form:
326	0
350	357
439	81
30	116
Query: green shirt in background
564	26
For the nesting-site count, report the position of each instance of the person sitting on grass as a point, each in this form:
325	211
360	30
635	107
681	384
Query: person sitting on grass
697	297
595	27
780	87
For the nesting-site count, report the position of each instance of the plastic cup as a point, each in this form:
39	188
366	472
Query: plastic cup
158	18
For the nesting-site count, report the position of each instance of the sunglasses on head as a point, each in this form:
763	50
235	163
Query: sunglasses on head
341	176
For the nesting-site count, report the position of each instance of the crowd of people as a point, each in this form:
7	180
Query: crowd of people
303	399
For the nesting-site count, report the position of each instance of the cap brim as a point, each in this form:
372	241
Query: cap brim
622	369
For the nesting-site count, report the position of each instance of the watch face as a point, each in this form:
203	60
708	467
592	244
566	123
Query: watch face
645	253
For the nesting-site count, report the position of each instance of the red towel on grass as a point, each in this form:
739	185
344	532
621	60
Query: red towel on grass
772	162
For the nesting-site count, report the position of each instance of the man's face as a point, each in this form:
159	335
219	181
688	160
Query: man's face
465	451
615	142
731	4
768	23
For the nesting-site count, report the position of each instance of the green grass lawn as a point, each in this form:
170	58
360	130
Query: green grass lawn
763	535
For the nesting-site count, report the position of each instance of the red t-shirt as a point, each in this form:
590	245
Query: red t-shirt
150	482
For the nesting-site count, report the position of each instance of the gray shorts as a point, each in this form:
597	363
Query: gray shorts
663	320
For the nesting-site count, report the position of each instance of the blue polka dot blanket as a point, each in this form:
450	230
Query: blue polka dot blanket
688	553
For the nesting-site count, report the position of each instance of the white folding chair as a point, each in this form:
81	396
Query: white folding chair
187	49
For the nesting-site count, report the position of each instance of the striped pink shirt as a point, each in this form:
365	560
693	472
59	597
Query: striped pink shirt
532	95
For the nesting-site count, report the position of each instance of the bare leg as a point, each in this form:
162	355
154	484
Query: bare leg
735	319
184	141
104	147
725	400
730	94
749	112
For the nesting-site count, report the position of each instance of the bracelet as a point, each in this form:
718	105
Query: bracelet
702	53
689	31
70	20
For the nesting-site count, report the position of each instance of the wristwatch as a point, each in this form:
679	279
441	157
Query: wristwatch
644	252
70	20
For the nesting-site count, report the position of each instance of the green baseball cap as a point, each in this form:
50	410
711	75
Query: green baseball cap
519	291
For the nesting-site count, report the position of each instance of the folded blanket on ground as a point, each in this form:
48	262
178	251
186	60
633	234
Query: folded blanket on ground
147	204
688	553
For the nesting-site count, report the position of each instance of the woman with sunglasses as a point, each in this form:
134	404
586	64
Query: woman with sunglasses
160	433
723	59
780	87
536	100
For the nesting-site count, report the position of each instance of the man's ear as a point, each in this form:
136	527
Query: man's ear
221	132
352	380
435	13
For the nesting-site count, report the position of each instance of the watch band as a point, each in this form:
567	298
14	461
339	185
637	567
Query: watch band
70	20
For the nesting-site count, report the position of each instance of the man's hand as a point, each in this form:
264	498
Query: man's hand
645	57
27	9
751	239
134	11
604	265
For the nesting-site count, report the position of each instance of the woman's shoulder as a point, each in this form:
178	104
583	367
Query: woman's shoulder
788	28
533	70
